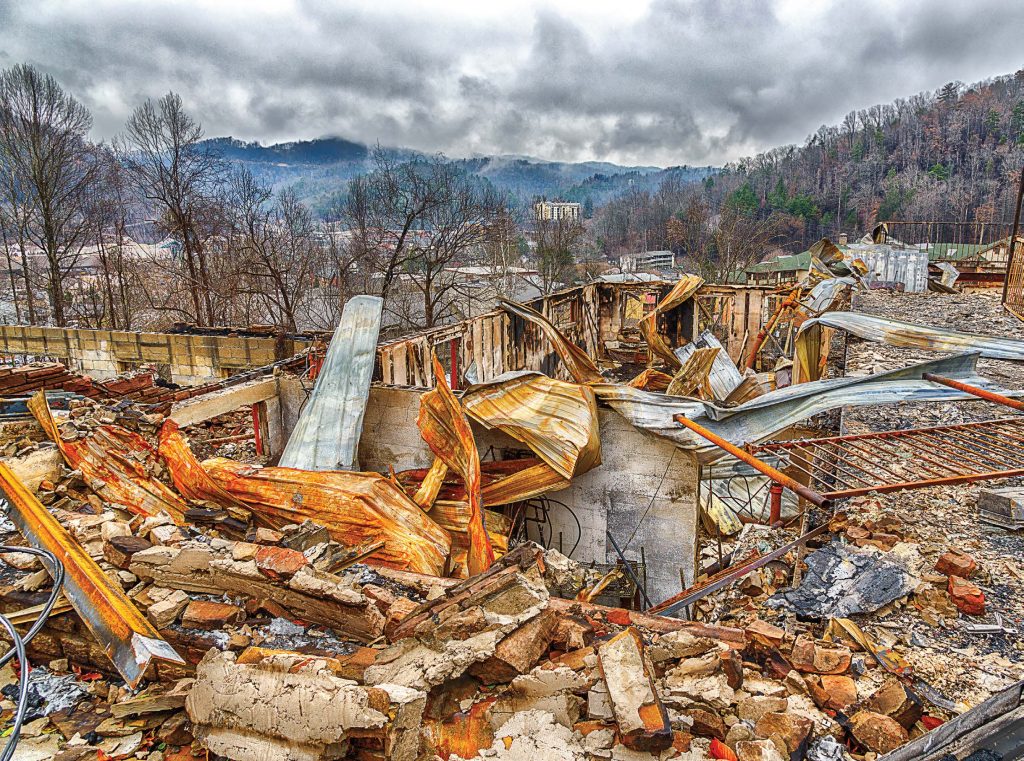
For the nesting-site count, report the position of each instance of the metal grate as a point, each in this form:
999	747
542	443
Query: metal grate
850	466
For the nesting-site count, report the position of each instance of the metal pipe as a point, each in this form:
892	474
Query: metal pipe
762	467
790	301
698	591
988	396
776	506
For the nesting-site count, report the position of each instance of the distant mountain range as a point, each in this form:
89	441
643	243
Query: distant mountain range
319	171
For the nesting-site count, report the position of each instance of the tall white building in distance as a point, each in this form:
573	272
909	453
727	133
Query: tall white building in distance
556	210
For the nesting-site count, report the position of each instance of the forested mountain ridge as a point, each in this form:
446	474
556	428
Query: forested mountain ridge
951	155
319	170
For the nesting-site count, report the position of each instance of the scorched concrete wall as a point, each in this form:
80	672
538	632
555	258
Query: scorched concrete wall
189	359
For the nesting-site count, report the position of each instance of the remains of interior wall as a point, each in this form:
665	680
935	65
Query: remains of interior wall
644	492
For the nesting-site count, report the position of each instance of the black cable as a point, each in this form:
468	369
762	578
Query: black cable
579	526
56	571
19	716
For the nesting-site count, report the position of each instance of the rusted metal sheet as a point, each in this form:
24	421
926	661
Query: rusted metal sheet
326	436
118	458
446	430
850	466
681	291
557	420
724	376
188	474
128	639
354	507
911	336
693	377
651	380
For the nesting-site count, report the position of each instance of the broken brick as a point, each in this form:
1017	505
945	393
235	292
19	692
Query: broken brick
877	732
206	614
819	657
789	729
893	699
966	596
765	633
279	562
706	723
956	563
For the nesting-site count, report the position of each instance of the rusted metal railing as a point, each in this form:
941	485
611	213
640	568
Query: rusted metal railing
850	466
762	467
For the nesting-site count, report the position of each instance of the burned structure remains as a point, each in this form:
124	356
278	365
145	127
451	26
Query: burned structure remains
630	520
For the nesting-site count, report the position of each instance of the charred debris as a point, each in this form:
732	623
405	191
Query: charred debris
239	570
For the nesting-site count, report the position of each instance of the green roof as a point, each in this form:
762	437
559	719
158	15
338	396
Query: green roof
945	252
801	261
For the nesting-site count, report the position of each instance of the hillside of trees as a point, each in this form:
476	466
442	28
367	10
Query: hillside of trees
954	155
951	155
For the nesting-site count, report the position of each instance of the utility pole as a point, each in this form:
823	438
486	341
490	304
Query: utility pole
1013	237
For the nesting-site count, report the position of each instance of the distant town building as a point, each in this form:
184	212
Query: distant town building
556	210
648	260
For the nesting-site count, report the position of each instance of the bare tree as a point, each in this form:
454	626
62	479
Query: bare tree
47	161
177	174
717	247
414	220
281	252
558	241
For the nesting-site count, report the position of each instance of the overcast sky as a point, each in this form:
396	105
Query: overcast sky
663	83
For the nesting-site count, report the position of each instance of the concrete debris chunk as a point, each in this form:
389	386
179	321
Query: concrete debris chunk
642	719
293	707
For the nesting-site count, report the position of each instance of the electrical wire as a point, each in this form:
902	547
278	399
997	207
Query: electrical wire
19	716
56	571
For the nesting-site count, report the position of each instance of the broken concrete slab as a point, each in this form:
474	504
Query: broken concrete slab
641	716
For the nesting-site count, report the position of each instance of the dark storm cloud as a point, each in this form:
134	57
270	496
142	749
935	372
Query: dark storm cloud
704	81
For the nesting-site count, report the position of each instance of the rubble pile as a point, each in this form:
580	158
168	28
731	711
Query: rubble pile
234	608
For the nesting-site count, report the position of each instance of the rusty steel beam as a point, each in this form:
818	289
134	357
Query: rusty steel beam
988	396
762	467
128	639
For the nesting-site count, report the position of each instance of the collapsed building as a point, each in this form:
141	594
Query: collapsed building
628	520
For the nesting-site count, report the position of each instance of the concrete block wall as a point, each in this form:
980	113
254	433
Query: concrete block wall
189	359
644	492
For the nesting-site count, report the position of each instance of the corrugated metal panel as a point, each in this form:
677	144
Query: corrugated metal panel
446	430
724	376
327	434
766	415
910	336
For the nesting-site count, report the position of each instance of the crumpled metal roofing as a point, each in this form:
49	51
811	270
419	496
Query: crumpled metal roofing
557	420
326	436
117	457
764	416
911	336
446	430
127	637
681	291
724	376
577	362
354	507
